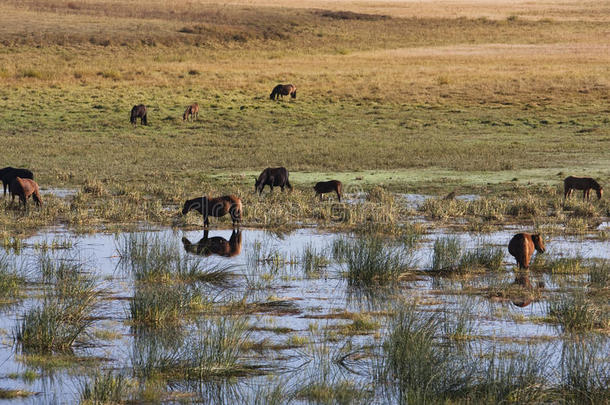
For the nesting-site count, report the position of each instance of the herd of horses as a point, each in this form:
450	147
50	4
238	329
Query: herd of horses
20	182
192	111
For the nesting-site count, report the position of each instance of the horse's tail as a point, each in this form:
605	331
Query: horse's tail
339	190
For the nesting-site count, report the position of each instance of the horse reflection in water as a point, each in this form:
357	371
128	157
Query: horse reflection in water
216	245
523	280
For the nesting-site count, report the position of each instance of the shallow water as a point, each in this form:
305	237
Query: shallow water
310	298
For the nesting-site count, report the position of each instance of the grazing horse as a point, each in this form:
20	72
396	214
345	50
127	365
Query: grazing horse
522	246
24	188
215	207
216	245
585	184
282	90
9	173
324	187
192	111
272	177
138	111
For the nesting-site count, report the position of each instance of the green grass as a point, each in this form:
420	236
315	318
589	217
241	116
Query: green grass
370	260
576	313
104	388
64	316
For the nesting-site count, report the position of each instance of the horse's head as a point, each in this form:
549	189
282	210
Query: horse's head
184	115
257	183
194	204
294	94
600	192
538	243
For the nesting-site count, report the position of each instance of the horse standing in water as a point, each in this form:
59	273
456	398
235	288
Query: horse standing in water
9	173
282	90
324	187
272	177
192	112
586	184
138	111
215	207
24	188
216	245
522	246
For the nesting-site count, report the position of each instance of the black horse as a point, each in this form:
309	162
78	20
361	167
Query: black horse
272	177
9	173
282	90
138	111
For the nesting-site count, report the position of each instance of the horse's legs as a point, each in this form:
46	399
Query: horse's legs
338	196
4	185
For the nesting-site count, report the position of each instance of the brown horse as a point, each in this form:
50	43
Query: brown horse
215	207
324	187
24	188
586	184
216	245
282	90
138	111
192	111
522	246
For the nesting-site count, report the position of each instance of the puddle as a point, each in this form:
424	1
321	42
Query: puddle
59	192
269	268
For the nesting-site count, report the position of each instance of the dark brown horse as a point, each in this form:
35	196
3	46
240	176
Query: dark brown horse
272	177
522	246
192	112
586	184
216	245
24	188
9	173
282	90
324	187
138	111
215	207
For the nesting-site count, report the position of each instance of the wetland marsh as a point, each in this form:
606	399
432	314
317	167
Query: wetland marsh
451	126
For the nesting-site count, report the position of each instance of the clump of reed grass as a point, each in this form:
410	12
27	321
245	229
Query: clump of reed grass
574	312
371	260
313	261
447	253
419	368
65	312
162	304
599	274
105	388
151	257
12	279
449	256
515	379
562	265
585	373
214	349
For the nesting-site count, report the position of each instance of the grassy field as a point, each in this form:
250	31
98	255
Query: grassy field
388	93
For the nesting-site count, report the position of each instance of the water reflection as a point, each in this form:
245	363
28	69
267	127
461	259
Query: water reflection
216	245
523	280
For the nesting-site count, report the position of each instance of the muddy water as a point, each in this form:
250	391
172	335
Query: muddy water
309	299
